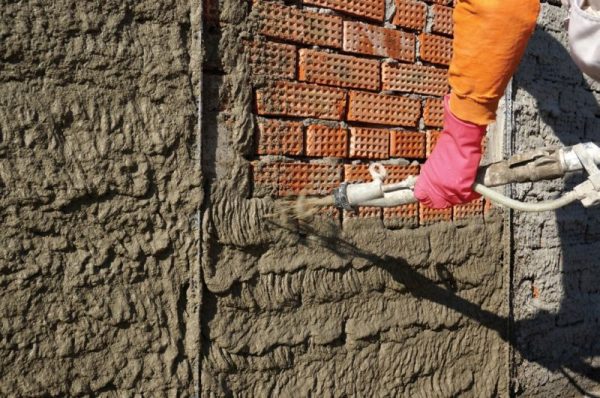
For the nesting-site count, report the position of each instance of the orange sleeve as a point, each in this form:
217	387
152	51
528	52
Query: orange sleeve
490	37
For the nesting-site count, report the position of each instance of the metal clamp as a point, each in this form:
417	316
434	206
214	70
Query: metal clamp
340	196
589	191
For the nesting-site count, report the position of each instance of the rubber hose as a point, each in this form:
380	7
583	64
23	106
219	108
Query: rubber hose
522	206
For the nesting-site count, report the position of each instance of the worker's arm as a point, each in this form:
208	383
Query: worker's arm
490	37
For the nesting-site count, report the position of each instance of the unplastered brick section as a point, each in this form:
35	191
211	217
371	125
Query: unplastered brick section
285	98
410	14
340	84
417	79
360	8
379	41
288	23
339	70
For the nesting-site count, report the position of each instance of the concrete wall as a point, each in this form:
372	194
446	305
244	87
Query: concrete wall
98	189
556	276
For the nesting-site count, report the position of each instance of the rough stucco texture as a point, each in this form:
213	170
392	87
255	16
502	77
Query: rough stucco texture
98	185
556	274
314	308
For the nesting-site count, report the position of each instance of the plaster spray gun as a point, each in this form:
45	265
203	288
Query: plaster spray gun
541	164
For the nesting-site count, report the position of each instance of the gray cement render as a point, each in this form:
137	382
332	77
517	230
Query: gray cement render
556	256
99	183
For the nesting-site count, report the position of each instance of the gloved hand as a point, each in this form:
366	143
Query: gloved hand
447	177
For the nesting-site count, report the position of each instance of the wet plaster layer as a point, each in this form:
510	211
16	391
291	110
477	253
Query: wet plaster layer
556	266
98	189
306	308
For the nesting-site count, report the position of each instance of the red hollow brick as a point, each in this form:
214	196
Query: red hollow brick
442	20
468	210
273	60
288	23
407	144
375	40
339	70
357	173
277	137
369	143
308	179
383	109
436	49
414	79
363	212
434	112
265	177
428	215
326	141
300	99
410	14
373	9
397	173
401	216
432	139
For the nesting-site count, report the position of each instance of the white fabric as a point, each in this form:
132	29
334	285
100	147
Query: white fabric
584	37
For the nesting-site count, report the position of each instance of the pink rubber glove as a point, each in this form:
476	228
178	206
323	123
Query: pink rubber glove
447	177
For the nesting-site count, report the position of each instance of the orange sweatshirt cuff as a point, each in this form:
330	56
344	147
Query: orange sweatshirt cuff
469	110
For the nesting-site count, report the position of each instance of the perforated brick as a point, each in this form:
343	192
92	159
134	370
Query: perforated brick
374	40
473	209
357	173
329	213
369	143
326	141
432	139
442	20
397	173
265	177
277	137
300	26
410	14
373	213
436	49
383	109
434	112
300	99
414	79
373	9
429	216
407	144
308	179
401	216
338	70
273	60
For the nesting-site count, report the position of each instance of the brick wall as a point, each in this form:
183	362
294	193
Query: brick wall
345	83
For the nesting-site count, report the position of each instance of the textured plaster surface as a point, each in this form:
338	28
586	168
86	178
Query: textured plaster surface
301	309
98	189
556	266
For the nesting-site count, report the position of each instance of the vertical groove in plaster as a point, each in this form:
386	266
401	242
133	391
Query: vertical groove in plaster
507	237
197	269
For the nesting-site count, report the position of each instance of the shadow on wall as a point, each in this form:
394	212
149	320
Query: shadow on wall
563	336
